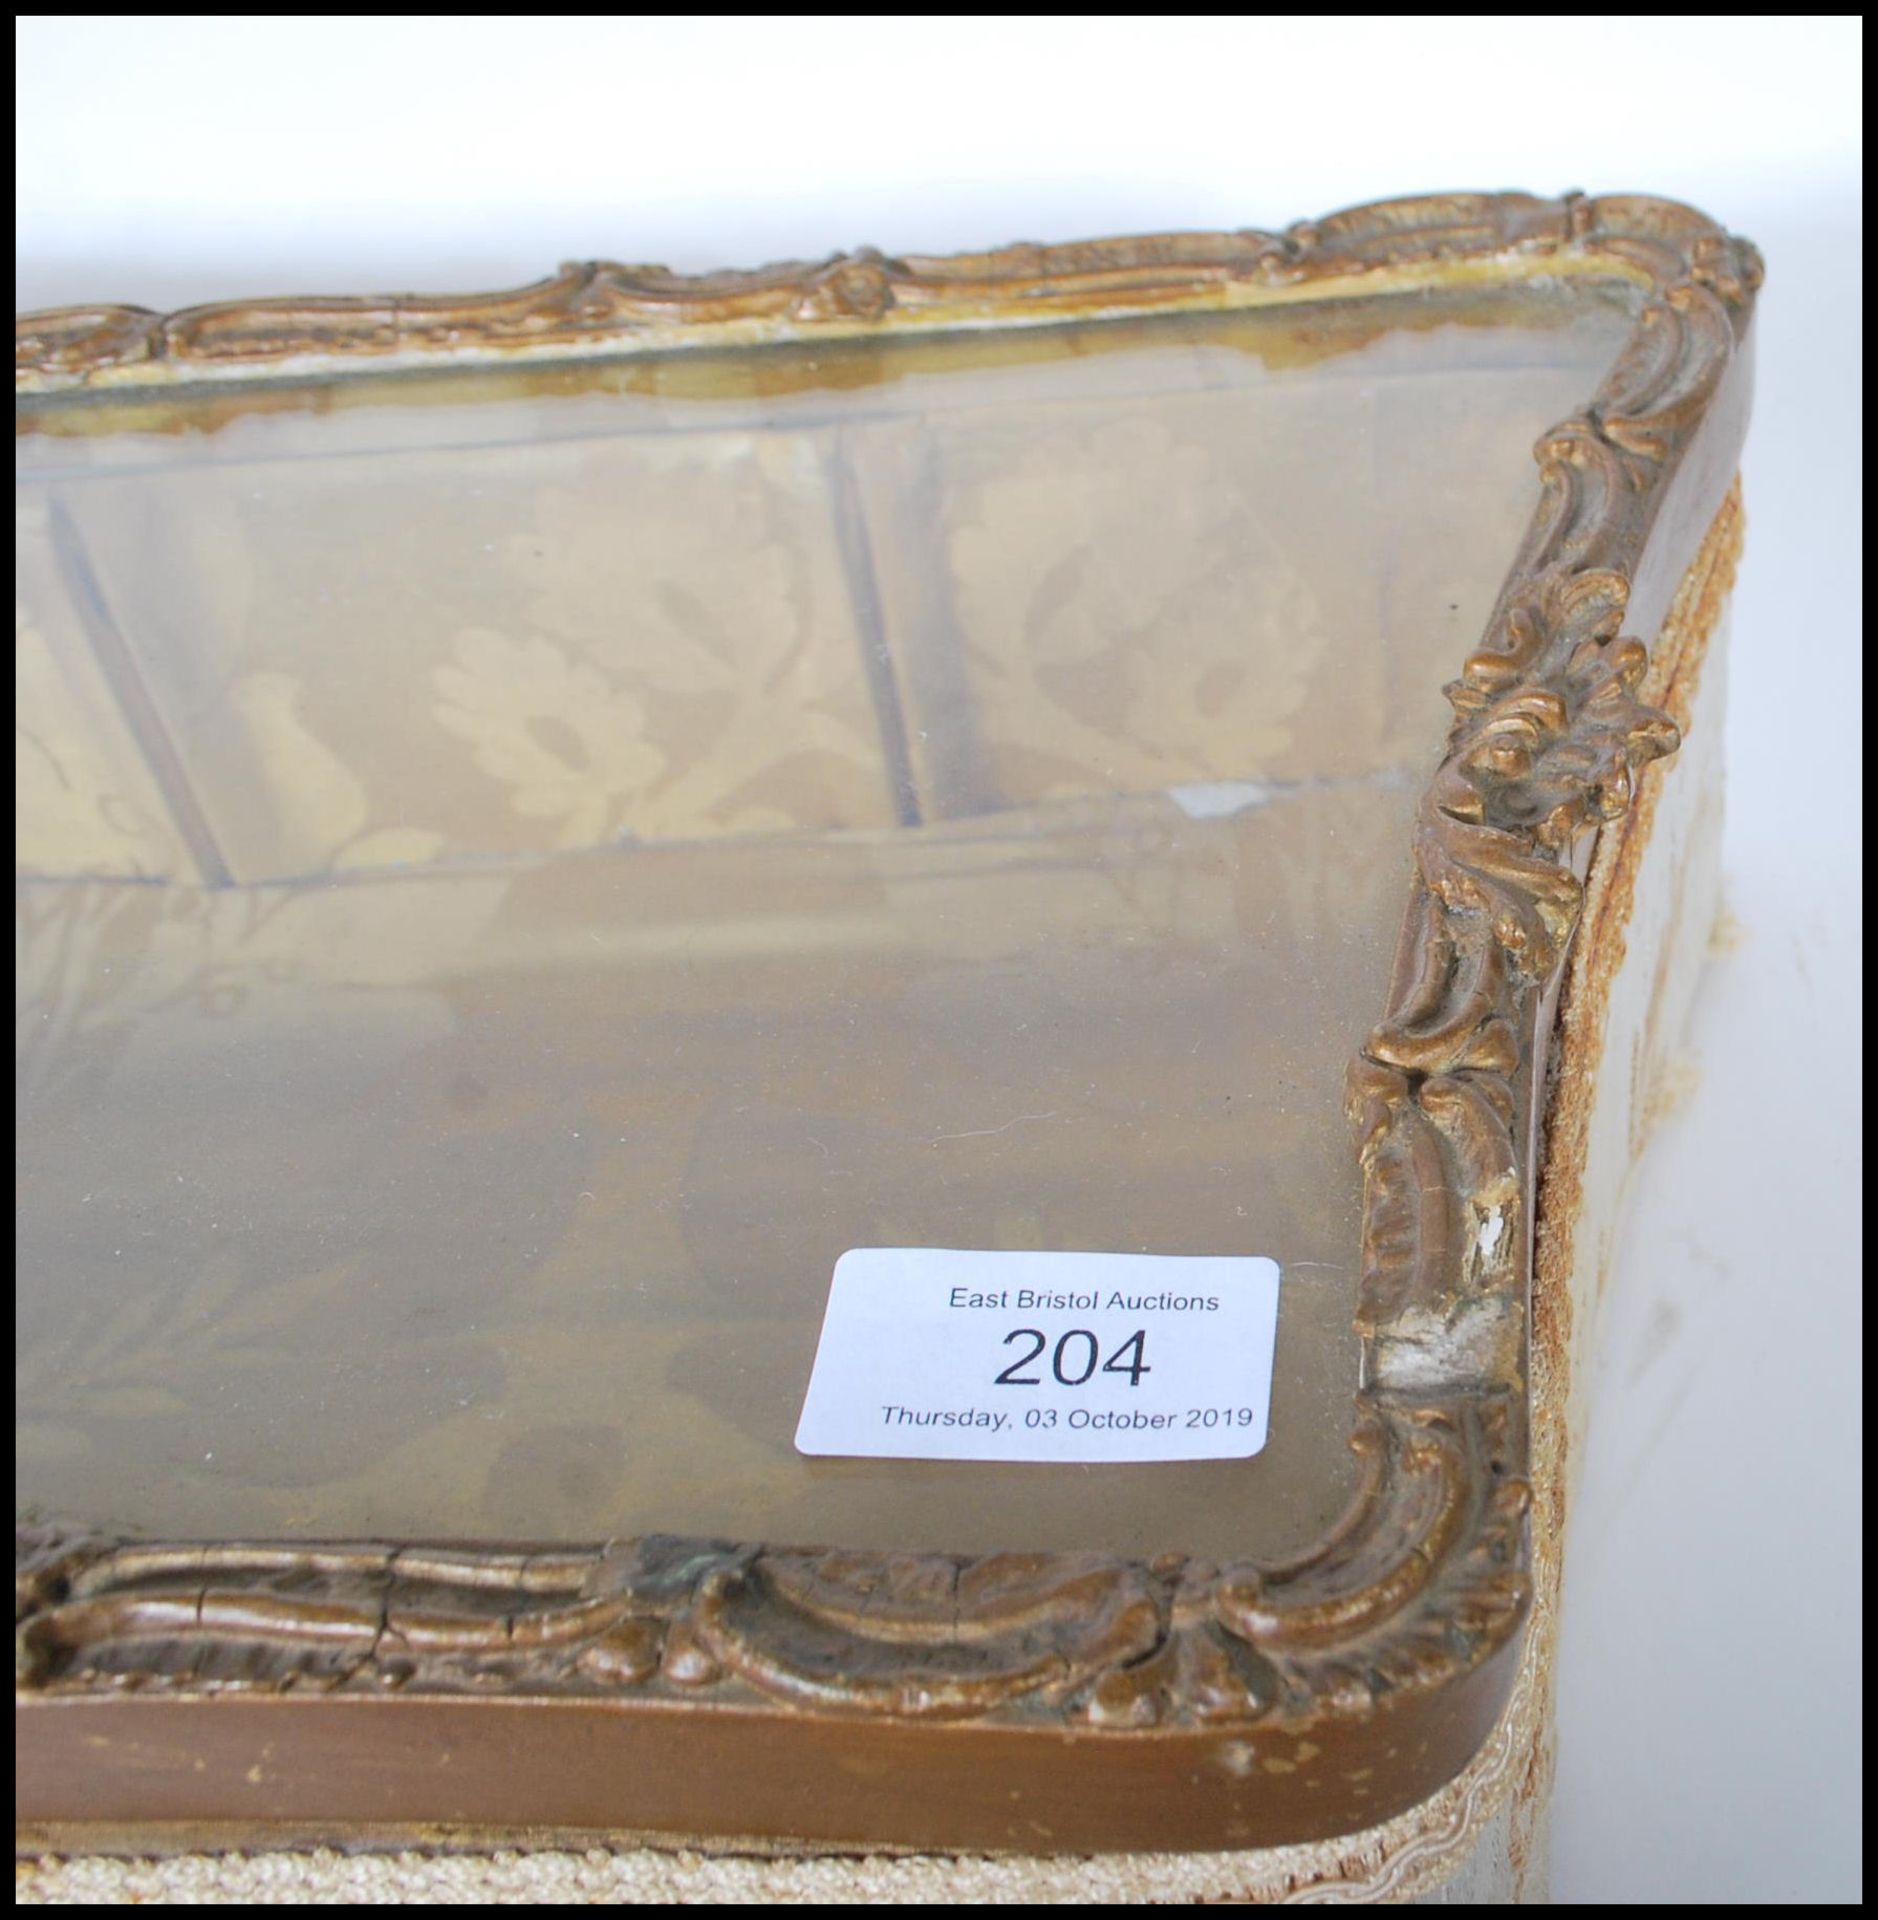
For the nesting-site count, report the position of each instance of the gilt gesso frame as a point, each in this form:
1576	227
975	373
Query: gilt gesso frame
761	1694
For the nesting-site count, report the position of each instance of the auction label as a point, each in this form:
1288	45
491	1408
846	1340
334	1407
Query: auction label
931	1353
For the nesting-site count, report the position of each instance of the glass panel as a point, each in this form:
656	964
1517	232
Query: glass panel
641	827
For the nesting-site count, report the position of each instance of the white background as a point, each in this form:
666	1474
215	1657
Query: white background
1709	1711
